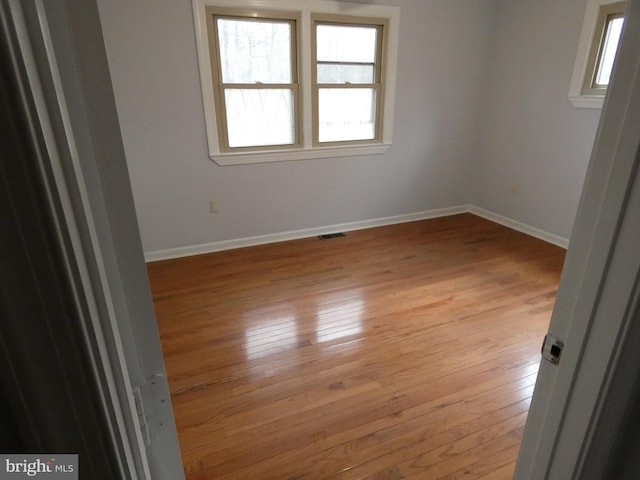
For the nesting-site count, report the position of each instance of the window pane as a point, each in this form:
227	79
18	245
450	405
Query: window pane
339	43
257	117
346	114
341	73
608	53
254	51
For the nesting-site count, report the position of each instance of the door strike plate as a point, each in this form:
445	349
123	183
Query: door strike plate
552	349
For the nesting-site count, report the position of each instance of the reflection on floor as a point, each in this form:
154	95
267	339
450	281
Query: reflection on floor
407	351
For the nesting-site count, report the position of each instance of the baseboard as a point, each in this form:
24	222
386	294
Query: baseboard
297	234
351	226
519	226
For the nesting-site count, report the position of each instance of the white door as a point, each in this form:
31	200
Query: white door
598	287
59	46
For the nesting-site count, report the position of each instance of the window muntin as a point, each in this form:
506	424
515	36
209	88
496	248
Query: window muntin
604	46
254	64
347	80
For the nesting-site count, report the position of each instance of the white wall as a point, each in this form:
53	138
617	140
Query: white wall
152	56
481	104
531	133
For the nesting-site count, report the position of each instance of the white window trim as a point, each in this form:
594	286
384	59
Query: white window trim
304	8
577	98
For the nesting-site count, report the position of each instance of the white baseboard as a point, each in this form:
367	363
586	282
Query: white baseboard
297	234
519	226
349	227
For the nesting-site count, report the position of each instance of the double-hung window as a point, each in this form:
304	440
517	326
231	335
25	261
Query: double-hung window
347	80
295	79
255	72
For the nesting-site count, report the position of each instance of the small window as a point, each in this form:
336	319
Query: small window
603	48
347	81
255	67
601	32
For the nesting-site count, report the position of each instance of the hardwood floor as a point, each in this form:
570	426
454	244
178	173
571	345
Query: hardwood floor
407	351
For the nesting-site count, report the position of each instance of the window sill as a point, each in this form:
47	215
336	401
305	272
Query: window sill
299	154
587	101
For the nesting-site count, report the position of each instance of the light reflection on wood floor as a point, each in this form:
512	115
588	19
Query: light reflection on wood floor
407	351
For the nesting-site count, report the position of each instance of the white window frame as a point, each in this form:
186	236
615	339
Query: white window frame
587	42
303	9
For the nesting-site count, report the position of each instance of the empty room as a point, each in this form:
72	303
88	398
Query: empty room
340	239
409	347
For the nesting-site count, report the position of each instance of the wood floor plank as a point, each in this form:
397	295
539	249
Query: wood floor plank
407	351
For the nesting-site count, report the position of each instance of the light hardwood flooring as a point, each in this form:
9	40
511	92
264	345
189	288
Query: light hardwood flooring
407	351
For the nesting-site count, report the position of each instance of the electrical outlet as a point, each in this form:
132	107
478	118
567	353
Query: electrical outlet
213	206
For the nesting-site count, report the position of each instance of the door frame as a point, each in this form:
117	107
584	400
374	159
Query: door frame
598	288
60	60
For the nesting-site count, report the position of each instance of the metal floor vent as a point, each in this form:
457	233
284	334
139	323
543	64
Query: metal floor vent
330	235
